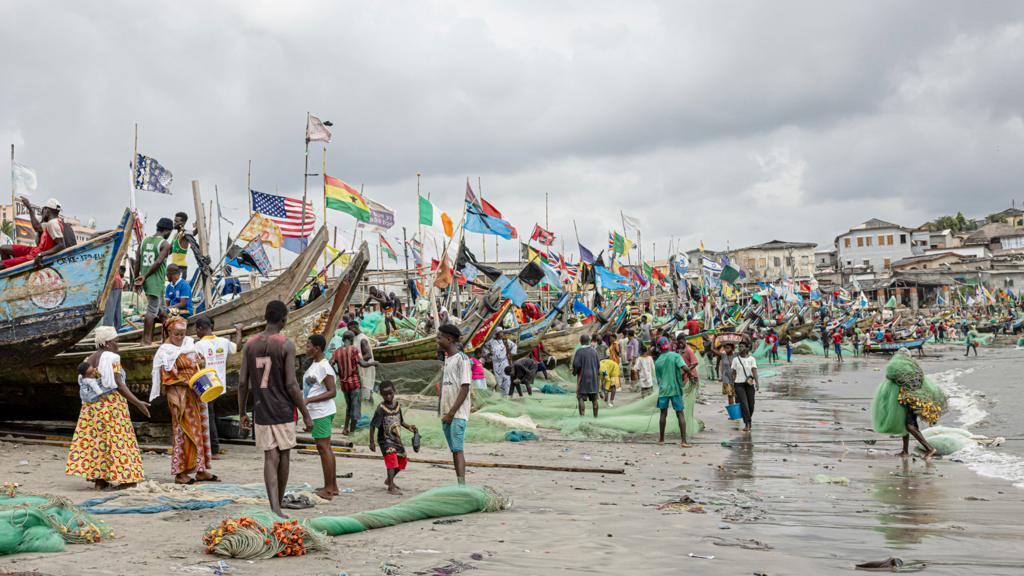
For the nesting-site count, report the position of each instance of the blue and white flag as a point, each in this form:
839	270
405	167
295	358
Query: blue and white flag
710	266
682	264
150	176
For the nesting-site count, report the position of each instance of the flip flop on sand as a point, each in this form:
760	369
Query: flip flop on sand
213	478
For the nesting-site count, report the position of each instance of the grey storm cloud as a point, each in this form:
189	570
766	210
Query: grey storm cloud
727	122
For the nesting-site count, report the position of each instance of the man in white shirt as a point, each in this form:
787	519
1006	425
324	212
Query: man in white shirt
215	349
455	400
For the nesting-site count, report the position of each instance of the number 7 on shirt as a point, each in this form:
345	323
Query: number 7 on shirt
264	362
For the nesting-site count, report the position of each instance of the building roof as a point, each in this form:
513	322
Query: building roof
1009	212
779	245
989	232
925	258
875	223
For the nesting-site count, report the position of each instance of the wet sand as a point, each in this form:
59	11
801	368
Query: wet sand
763	512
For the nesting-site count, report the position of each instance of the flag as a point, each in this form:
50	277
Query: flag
580	308
288	214
891	303
344	198
443	278
729	274
264	228
466	258
317	131
430	215
477	220
939	300
470	196
514	291
630	222
531	274
701	246
530	253
382	218
385	246
619	244
586	255
150	176
610	280
333	252
551	277
682	265
710	266
415	249
542	236
489	209
254	255
24	179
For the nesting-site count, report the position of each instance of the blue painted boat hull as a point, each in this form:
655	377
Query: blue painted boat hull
46	310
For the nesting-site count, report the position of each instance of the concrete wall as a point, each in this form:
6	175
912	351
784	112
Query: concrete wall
771	264
864	245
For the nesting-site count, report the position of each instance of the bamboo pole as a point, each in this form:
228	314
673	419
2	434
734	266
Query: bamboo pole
510	465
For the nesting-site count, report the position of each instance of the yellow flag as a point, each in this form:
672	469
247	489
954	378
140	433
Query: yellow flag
332	252
260	225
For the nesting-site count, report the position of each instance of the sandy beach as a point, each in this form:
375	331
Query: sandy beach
755	508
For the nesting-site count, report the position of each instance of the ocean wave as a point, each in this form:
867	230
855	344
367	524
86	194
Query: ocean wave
992	464
965	401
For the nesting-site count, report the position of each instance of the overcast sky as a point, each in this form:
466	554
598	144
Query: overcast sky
728	122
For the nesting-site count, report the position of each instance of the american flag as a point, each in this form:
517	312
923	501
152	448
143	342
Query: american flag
286	213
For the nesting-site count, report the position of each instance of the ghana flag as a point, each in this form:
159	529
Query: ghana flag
344	198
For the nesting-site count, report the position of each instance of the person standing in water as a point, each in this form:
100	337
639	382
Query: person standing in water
746	383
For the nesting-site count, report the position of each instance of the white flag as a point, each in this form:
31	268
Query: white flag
316	131
631	222
24	179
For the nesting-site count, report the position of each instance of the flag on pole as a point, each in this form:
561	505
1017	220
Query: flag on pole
264	228
150	176
382	218
252	255
385	246
470	196
344	198
710	266
479	221
287	213
542	236
630	222
430	215
317	131
24	178
585	254
619	244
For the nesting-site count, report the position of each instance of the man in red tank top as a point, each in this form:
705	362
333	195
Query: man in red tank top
268	369
51	236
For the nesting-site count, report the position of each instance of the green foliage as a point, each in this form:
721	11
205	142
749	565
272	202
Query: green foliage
957	223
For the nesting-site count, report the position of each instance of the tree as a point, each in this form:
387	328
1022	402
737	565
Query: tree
7	227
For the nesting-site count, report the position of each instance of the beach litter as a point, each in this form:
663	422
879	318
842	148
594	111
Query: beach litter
837	480
692	555
891	565
745	543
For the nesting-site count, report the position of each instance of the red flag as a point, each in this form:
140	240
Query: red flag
542	236
490	210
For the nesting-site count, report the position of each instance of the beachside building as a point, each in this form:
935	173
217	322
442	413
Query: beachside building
873	246
825	260
1011	216
776	259
26	235
990	236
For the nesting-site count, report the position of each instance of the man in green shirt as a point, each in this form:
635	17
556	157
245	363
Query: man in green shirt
151	273
669	370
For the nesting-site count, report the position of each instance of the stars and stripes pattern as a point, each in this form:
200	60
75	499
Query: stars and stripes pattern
286	213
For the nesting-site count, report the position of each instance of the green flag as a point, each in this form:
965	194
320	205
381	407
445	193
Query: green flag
729	274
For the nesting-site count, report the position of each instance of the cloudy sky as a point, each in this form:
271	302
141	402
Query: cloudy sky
728	122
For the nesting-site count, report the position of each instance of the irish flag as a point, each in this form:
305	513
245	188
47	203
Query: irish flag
342	197
431	216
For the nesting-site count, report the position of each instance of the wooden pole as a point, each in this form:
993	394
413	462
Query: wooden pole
305	177
324	175
334	271
483	239
135	166
248	186
14	209
204	243
509	465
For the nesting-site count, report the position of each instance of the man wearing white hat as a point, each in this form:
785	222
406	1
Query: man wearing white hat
51	236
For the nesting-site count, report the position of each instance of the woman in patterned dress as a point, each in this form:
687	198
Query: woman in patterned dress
174	364
104	449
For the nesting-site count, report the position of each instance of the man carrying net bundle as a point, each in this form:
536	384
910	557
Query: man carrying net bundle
903	395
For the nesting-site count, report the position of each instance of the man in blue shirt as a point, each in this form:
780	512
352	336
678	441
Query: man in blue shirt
178	292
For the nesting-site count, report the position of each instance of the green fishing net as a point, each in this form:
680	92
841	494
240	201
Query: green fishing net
259	534
948	441
905	384
31	523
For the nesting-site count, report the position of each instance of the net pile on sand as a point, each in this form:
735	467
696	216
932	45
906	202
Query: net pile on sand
45	523
260	535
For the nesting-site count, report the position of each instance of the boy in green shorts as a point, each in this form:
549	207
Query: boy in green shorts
319	389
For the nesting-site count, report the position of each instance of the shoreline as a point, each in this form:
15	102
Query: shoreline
763	512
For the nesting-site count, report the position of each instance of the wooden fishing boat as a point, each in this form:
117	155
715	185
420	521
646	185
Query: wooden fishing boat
528	335
50	391
891	347
44	310
483	314
562	343
249	306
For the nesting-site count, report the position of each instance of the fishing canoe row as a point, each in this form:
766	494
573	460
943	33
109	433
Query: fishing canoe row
50	391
